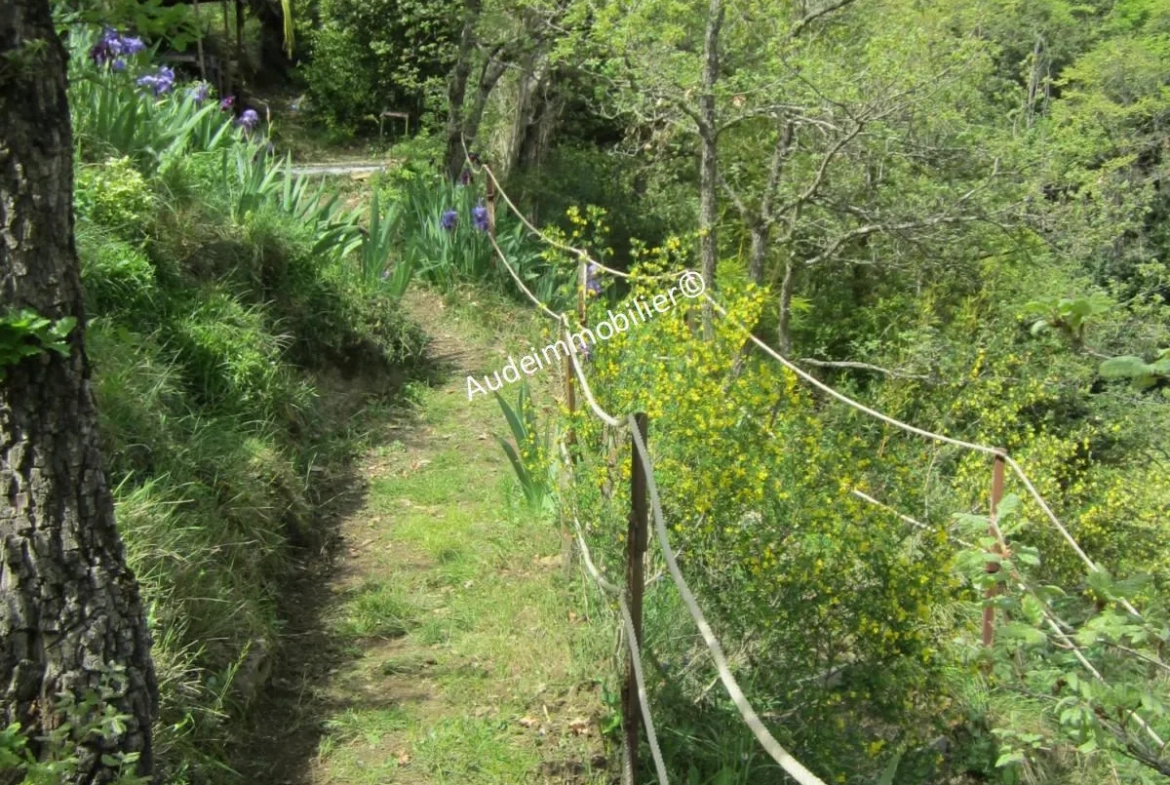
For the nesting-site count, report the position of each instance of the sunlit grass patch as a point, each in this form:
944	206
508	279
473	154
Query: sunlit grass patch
480	750
376	610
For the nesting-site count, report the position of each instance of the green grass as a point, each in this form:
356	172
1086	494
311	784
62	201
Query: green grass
377	610
493	645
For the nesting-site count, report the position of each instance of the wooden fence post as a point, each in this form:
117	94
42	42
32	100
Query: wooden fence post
993	566
636	535
570	392
491	207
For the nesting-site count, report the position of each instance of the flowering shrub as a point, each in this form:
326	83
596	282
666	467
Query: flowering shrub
756	484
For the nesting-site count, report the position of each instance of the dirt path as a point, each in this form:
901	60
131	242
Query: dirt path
441	646
351	169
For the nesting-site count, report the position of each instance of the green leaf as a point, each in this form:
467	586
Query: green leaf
891	770
1008	757
1026	634
1126	367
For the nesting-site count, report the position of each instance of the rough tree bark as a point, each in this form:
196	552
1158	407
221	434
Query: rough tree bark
69	606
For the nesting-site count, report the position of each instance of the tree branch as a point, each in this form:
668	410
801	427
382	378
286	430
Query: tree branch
803	23
864	367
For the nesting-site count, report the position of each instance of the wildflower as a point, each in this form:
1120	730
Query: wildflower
160	81
107	47
112	46
479	215
465	176
473	157
198	92
447	221
592	279
226	103
248	119
586	349
131	45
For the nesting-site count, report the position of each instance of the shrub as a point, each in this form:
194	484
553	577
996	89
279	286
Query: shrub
384	54
119	278
115	195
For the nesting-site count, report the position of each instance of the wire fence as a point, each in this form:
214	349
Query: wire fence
640	458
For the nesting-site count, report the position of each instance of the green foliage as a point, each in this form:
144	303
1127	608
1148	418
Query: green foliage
25	333
113	117
450	257
90	720
115	195
1143	374
220	290
371	56
531	455
1069	315
377	245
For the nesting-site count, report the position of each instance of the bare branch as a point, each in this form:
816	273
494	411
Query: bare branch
870	229
864	367
803	23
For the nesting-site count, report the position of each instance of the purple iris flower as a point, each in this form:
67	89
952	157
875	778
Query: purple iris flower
226	103
248	119
161	81
592	279
479	216
448	219
112	46
131	45
198	92
465	176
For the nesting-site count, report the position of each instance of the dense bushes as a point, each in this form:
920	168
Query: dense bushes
372	56
216	285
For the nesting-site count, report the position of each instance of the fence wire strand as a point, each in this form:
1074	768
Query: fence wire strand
938	437
791	765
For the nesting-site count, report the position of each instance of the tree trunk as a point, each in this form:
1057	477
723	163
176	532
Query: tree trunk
787	287
69	606
530	95
457	91
708	172
275	62
493	69
759	252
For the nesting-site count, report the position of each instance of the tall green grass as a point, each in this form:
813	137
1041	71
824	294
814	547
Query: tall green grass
219	286
463	254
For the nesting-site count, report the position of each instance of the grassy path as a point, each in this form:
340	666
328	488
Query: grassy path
447	610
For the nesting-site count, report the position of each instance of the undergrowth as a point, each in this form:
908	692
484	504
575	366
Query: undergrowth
220	292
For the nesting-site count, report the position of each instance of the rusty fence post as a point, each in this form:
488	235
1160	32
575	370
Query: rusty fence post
636	536
993	566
